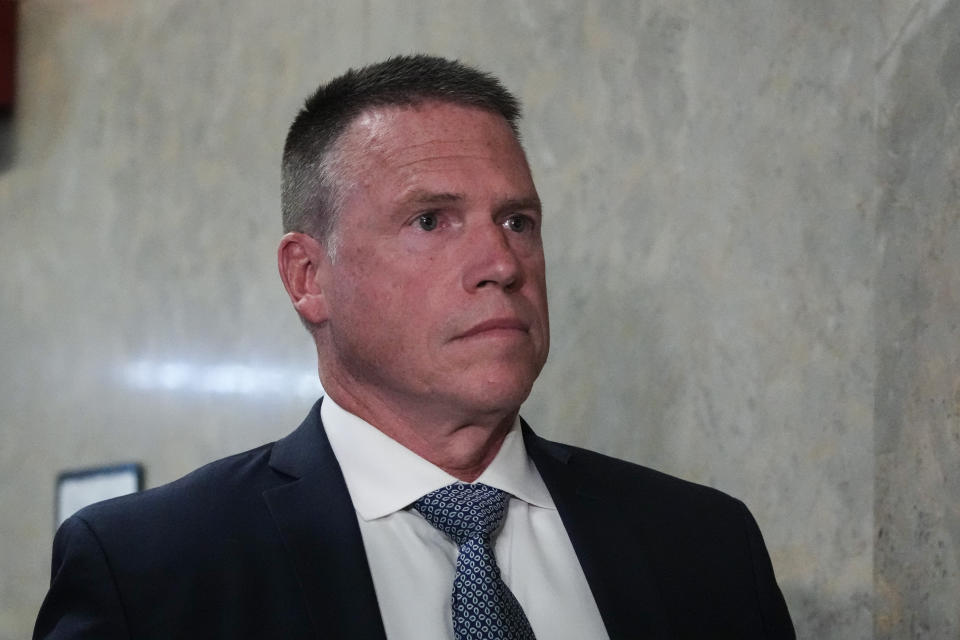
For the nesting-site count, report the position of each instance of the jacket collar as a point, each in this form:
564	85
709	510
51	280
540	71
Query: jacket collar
608	535
318	525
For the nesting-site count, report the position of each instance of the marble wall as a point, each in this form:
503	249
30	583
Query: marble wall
917	411
753	238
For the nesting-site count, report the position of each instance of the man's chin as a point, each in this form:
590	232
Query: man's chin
501	395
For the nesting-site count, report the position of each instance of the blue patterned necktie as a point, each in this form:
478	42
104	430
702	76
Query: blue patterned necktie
483	606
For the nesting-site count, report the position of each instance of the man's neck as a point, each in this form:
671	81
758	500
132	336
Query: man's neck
463	446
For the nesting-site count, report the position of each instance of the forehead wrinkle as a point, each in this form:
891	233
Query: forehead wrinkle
434	158
441	141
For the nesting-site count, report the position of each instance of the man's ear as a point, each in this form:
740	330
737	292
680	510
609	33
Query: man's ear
303	262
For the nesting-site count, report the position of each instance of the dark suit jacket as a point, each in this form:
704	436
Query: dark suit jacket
265	544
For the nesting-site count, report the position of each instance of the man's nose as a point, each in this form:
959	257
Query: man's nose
490	259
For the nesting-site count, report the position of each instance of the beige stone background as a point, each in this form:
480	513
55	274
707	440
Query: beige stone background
753	235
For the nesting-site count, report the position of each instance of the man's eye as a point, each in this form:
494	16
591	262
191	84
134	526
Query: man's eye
519	223
427	221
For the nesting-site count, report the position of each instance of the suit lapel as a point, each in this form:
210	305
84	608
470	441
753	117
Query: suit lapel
319	526
607	534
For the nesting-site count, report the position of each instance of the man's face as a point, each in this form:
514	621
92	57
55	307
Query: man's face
436	297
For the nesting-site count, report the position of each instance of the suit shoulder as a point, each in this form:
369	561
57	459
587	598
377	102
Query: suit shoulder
615	475
207	488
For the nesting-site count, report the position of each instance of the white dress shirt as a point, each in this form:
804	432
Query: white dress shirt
413	563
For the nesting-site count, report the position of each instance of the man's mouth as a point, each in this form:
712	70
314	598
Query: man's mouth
496	326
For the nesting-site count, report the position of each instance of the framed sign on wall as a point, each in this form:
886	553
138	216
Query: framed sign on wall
79	488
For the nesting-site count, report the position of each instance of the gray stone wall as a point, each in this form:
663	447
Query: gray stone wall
917	411
753	241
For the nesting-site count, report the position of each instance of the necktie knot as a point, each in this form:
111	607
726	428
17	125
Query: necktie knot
464	511
482	606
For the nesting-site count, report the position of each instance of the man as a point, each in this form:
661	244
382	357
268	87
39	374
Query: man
413	502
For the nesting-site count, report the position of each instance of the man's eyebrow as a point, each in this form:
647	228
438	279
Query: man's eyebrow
420	196
532	203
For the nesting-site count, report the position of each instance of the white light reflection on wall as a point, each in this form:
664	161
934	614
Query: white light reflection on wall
227	378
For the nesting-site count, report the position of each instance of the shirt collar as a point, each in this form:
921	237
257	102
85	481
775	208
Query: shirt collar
383	476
